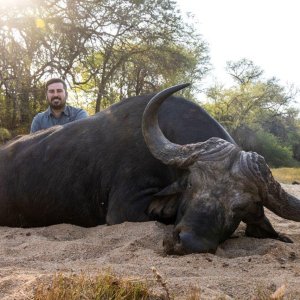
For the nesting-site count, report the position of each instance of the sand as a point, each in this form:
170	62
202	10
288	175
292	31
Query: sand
241	268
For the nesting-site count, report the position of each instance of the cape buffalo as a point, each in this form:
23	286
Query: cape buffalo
169	162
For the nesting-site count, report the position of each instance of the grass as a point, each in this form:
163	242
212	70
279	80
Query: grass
104	286
109	287
286	175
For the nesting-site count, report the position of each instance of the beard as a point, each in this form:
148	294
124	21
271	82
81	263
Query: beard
57	103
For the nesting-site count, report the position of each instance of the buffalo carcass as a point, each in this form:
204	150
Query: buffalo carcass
100	170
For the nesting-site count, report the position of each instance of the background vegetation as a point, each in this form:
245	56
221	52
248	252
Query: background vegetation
108	50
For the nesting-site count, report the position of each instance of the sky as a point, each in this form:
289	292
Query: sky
264	31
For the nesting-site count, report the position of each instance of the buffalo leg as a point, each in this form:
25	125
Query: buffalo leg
264	229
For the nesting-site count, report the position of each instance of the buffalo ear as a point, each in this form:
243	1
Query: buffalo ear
176	187
165	203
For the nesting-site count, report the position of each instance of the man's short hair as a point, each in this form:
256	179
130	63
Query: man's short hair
54	80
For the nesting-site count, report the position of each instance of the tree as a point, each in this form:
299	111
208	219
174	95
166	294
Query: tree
136	37
244	71
21	65
106	47
256	108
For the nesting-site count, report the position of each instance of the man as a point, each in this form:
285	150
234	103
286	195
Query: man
58	113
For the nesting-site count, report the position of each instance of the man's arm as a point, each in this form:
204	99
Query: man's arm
81	114
36	124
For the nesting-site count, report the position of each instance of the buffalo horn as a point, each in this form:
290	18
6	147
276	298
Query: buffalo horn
174	154
275	198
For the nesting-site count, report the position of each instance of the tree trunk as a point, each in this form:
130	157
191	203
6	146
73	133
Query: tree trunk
98	102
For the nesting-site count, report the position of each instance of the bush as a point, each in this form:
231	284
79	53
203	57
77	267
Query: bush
266	144
4	135
275	154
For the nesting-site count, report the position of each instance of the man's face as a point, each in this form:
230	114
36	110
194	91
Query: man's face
56	95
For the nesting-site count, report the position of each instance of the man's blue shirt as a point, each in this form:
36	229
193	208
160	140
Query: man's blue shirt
46	119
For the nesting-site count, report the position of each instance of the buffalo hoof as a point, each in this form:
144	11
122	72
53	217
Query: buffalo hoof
283	238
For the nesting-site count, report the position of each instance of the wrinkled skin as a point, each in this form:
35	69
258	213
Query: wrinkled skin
222	186
214	203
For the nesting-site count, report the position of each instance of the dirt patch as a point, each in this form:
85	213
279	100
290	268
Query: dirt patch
240	267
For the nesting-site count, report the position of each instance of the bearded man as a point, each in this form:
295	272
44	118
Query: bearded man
58	112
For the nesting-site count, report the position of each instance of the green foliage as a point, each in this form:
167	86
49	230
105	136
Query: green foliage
5	135
244	71
248	103
106	49
258	114
274	152
266	144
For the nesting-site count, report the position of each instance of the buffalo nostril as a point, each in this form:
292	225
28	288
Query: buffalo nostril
185	242
185	237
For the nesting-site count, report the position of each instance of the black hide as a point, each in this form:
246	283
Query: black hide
97	170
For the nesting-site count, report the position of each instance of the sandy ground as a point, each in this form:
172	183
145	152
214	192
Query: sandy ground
240	268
